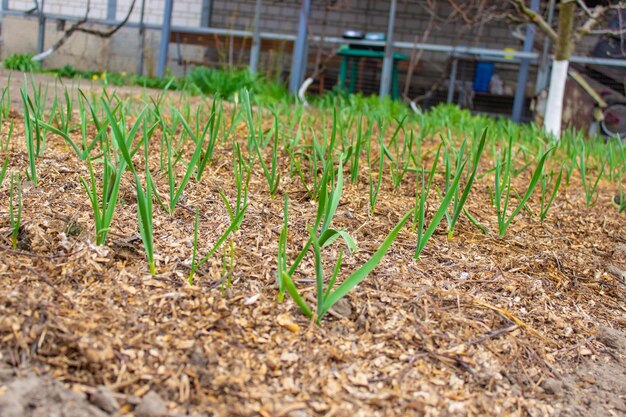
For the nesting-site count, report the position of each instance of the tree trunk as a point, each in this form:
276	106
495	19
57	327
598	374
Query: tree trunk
564	47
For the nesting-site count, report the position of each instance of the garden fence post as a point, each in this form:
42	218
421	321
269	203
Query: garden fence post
205	13
522	78
543	72
452	83
299	57
256	39
41	34
142	39
166	29
385	78
111	9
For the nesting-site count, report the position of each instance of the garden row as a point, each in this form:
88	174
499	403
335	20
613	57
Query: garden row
438	157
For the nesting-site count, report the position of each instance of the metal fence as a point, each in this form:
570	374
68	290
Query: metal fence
455	86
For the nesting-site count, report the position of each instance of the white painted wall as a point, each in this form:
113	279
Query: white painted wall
186	12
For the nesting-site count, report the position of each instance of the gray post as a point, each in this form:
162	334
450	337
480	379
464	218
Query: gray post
522	78
142	39
256	39
452	86
41	34
165	37
385	78
205	13
543	71
298	59
111	9
4	6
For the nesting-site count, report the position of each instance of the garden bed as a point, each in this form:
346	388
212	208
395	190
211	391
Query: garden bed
529	323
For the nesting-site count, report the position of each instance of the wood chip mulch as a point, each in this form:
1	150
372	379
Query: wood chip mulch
474	327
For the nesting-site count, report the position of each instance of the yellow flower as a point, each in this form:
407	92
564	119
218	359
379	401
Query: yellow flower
123	74
94	77
103	75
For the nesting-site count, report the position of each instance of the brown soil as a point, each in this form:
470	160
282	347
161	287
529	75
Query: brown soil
531	324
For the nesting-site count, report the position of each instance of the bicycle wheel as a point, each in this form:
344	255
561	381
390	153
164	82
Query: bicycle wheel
614	123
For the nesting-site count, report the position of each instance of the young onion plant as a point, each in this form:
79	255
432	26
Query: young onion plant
195	264
176	190
3	170
589	185
84	148
461	194
255	143
399	163
103	199
619	200
501	195
30	140
124	143
355	149
326	293
63	117
5	100
327	203
421	197
5	96
241	171
15	213
36	109
375	186
7	142
236	211
549	181
212	128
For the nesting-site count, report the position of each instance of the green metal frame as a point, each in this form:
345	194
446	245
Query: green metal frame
350	62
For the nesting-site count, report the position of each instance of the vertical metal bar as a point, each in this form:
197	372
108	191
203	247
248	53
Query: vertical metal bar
4	6
543	71
299	57
41	34
452	85
142	39
111	9
343	72
166	29
385	78
256	38
205	13
522	78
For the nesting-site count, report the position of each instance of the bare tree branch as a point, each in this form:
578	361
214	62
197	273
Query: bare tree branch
587	27
78	27
536	18
583	6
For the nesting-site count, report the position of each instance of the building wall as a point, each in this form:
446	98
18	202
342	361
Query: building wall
186	12
366	15
278	16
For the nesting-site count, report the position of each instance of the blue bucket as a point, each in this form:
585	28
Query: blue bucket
482	76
